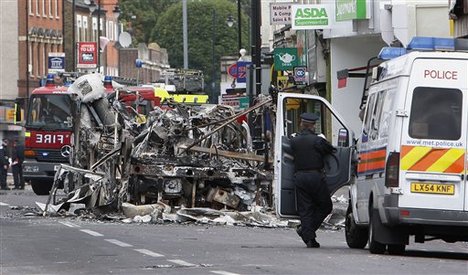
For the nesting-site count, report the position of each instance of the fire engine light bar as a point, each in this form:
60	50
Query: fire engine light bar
423	43
50	80
388	53
108	81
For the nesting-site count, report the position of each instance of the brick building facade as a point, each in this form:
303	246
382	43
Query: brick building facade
155	61
40	29
46	26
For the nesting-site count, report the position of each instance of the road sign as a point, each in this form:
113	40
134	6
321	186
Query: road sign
242	71
232	70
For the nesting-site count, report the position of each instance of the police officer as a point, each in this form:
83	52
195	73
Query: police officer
313	198
17	156
4	163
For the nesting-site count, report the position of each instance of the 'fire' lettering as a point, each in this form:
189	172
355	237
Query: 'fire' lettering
49	138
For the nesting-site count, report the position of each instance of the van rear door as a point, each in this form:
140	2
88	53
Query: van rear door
434	140
338	166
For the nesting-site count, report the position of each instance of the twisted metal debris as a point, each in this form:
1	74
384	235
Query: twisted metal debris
188	156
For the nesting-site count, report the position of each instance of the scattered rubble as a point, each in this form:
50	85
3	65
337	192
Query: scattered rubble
181	163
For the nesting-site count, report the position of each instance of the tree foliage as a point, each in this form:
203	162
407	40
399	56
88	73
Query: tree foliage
206	24
140	16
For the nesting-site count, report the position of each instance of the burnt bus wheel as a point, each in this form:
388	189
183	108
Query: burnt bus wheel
41	187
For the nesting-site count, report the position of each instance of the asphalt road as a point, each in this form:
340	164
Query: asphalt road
32	244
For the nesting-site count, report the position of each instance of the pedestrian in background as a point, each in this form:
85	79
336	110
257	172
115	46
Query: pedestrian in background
4	163
313	197
17	156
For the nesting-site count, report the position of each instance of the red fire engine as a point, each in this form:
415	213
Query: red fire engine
47	136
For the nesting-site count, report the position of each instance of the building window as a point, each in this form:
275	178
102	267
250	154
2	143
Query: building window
56	9
84	35
30	61
44	65
37	8
44	8
30	9
101	27
118	27
37	58
50	9
110	31
94	34
79	25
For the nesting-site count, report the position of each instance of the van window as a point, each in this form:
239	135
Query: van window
328	124
387	111
367	118
436	113
377	112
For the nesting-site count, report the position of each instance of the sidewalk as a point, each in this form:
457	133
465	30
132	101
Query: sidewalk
11	185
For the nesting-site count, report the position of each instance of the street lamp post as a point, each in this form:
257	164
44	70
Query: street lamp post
213	33
239	38
185	32
230	22
92	7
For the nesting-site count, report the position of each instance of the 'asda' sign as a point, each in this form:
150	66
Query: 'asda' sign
309	17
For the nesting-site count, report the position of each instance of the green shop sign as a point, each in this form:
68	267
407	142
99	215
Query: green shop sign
285	59
350	9
309	17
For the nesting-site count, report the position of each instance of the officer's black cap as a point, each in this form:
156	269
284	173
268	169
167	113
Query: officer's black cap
309	117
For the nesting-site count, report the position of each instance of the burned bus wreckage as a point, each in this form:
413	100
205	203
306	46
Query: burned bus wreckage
184	156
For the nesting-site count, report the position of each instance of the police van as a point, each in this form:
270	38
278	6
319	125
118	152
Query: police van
412	151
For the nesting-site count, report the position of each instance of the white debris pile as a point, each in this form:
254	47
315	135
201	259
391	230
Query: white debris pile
159	213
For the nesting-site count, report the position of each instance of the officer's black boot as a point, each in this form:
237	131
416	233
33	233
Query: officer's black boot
299	232
313	244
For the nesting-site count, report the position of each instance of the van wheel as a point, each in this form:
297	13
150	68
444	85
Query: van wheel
374	246
396	249
41	187
356	237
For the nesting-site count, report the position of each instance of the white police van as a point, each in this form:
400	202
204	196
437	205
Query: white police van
412	152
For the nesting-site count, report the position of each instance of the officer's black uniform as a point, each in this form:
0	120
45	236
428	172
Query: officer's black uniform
4	163
17	155
313	198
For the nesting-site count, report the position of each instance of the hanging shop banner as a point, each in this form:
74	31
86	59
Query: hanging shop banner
285	58
87	55
280	13
56	63
350	9
311	17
